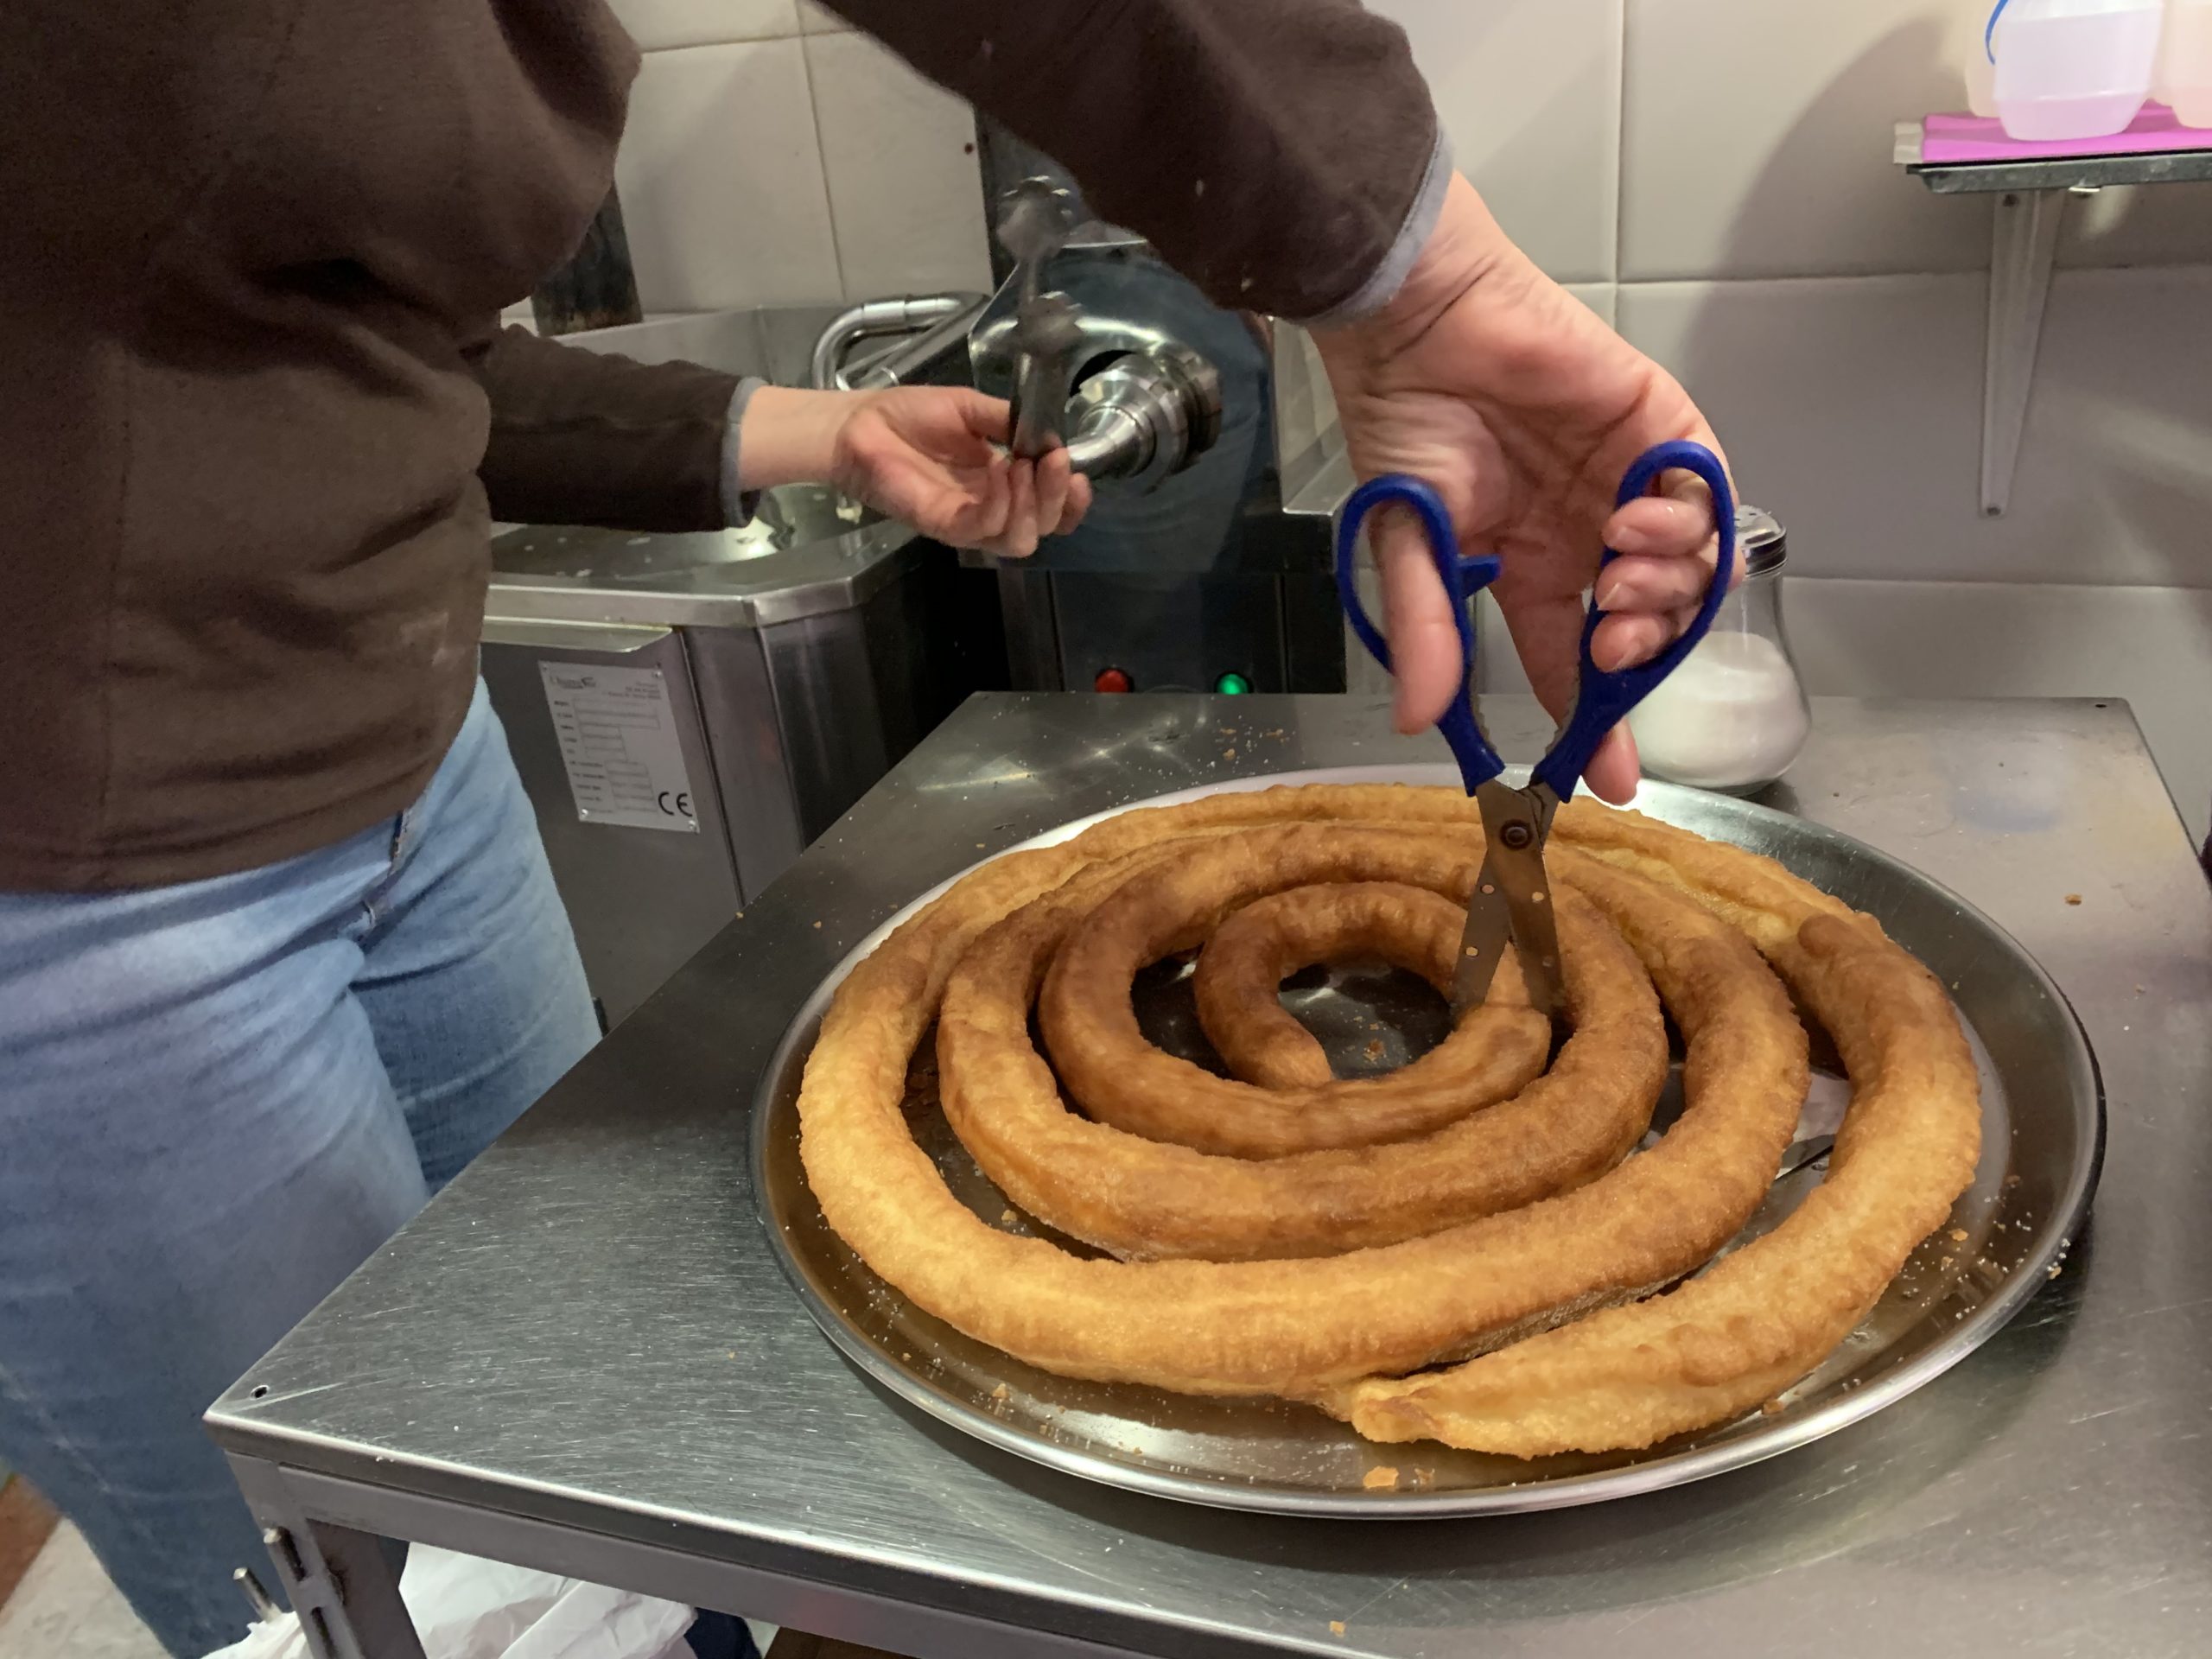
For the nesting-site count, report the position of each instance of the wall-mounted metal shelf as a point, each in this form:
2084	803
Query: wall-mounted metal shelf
2030	207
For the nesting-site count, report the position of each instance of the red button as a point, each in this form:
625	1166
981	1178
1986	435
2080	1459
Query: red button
1112	679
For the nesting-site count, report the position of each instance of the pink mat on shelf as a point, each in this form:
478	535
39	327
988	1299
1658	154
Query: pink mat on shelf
1947	140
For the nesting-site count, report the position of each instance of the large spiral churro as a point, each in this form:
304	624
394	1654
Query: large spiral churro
1287	1233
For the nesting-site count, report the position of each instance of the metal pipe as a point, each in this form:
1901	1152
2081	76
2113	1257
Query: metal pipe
1110	443
894	366
265	1610
875	318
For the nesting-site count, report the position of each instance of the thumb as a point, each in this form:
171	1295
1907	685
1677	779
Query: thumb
988	418
1427	655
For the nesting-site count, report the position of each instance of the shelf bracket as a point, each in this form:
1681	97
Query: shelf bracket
2024	247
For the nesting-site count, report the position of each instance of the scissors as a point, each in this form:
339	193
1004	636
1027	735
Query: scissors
1512	897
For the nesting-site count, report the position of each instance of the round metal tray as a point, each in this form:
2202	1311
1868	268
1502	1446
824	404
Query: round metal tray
2042	1136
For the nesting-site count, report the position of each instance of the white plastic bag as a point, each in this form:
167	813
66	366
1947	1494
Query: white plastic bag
465	1608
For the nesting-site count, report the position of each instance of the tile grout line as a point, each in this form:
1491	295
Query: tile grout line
822	163
1620	160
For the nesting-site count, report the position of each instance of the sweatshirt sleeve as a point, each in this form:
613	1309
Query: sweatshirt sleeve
1284	155
582	437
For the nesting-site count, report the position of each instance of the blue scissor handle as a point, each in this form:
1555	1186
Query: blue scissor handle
1603	699
1463	574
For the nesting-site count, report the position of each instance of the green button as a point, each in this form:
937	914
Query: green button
1232	685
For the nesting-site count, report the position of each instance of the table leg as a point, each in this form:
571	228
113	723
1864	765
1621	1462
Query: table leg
341	1582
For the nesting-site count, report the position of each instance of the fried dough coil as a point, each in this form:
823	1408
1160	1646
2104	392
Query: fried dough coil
1142	1198
1338	1328
1275	1326
1765	1314
1240	973
1119	1078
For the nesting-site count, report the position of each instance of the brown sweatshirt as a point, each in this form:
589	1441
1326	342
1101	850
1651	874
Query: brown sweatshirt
256	414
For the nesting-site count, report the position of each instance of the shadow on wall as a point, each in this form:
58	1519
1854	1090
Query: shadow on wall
1852	405
1845	133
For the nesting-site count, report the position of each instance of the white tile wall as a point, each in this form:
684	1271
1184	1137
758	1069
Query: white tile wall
1757	138
774	156
1755	141
1603	298
656	24
1852	408
721	176
1530	92
1714	177
899	155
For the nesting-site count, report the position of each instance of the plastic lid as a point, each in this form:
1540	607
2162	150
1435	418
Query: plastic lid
1761	539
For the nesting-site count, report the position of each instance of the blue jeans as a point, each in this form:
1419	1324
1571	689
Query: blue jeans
216	1100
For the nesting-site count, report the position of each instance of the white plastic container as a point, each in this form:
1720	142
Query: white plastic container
2075	68
2184	79
1981	61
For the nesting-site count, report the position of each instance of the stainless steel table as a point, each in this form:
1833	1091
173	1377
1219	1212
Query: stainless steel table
583	1358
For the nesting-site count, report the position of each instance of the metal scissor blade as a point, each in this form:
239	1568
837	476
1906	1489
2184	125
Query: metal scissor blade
1482	941
1512	899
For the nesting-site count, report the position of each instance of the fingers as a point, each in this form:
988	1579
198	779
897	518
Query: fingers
1675	525
956	425
1060	497
1045	497
1020	539
987	516
1640	582
1055	477
1078	503
1547	637
1623	641
988	418
1612	773
1662	526
1667	549
930	458
1426	654
1547	634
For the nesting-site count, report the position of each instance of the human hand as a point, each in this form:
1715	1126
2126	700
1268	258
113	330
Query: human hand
1491	382
926	455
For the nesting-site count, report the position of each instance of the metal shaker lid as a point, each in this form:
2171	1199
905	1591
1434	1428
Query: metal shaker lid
1762	541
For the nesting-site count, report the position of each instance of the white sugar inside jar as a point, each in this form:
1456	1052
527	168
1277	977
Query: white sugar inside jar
1733	715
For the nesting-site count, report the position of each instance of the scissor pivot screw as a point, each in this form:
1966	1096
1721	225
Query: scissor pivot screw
1516	835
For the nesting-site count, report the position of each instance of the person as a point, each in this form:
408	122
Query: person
279	951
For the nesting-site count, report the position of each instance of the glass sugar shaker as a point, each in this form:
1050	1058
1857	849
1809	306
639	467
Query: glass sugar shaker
1733	714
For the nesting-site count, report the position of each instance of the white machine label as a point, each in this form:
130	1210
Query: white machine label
618	744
